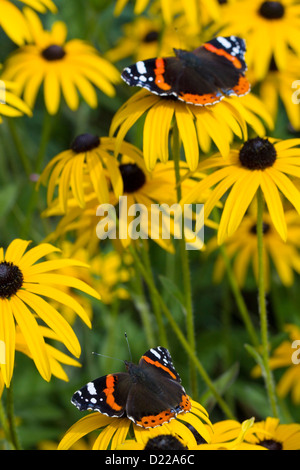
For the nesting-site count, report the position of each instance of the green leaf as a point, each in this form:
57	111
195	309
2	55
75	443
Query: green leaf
221	384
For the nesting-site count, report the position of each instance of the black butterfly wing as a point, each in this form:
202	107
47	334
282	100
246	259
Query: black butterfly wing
160	396
107	394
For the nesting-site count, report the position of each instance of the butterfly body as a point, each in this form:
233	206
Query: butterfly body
149	393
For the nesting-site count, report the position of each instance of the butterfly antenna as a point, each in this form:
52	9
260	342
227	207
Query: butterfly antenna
108	357
128	346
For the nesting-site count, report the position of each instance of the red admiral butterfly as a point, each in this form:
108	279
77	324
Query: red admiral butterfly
150	393
201	77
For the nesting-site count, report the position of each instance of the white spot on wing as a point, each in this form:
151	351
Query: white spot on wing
225	43
91	388
141	67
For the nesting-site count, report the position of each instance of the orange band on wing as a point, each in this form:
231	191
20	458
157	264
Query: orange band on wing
109	391
159	74
235	61
158	364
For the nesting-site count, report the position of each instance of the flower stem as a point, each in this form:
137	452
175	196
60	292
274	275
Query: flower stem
185	268
177	330
11	419
268	376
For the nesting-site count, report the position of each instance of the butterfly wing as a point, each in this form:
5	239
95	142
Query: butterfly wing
160	396
107	394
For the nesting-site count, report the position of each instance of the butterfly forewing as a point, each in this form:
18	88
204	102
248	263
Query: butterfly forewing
107	394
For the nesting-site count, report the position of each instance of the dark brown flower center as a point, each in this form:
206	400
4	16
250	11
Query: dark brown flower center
151	36
164	442
133	177
85	142
271	444
257	154
266	228
222	2
271	10
53	52
11	279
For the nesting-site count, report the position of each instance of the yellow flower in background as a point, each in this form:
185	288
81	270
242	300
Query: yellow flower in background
90	162
10	104
13	21
230	435
275	436
241	247
140	187
282	85
259	163
198	125
147	37
286	356
114	431
24	283
64	67
269	28
191	10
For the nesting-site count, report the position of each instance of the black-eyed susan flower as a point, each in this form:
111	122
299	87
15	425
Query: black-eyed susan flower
278	85
10	104
25	281
90	162
241	247
64	67
144	191
270	29
230	435
57	358
192	10
115	431
13	21
272	435
197	125
286	357
259	163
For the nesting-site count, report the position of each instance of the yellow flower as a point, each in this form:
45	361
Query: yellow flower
286	355
10	104
242	248
275	436
192	10
198	125
63	67
147	189
24	283
230	435
14	22
90	162
144	38
279	85
260	163
114	431
269	28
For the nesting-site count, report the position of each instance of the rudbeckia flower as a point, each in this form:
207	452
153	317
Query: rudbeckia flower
270	29
148	190
272	435
230	435
24	283
192	10
14	22
198	125
259	163
66	67
89	161
10	104
282	86
241	247
146	37
286	356
115	431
